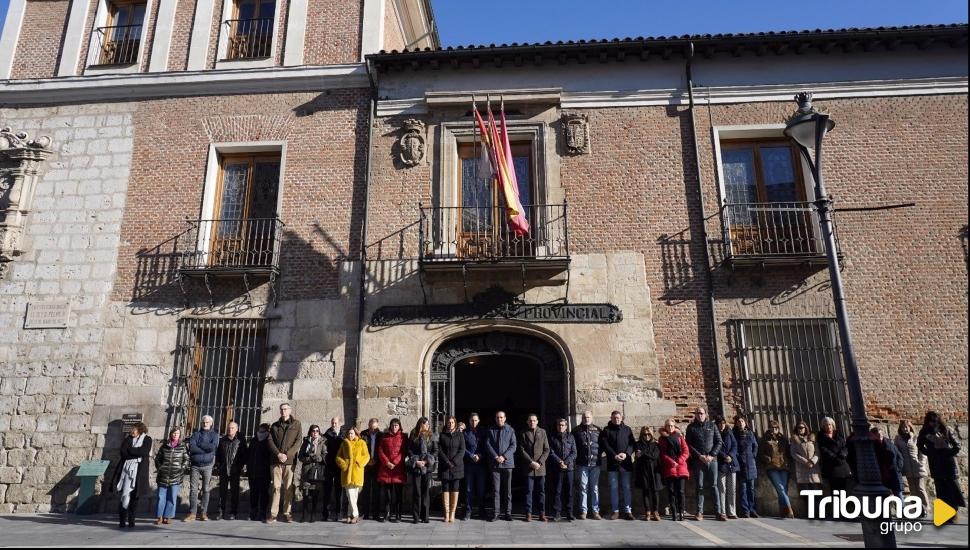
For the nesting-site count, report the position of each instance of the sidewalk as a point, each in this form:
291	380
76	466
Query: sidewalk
102	530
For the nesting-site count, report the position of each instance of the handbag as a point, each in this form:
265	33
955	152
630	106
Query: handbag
317	472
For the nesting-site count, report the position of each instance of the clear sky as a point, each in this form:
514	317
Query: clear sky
498	21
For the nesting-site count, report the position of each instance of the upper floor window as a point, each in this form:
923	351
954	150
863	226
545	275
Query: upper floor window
120	39
250	29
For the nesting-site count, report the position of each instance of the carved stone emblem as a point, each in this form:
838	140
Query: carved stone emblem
20	159
412	144
576	133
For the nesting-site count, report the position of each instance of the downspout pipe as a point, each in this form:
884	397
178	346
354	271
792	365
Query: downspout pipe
362	293
705	240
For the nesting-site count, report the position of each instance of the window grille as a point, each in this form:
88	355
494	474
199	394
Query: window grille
791	370
219	371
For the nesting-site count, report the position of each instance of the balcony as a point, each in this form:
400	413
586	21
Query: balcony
233	247
785	233
118	45
462	237
249	38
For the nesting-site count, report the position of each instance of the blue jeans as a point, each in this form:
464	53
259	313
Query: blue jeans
616	479
746	489
779	480
474	489
535	487
706	474
589	482
168	498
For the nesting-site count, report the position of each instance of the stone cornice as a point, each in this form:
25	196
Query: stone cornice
173	84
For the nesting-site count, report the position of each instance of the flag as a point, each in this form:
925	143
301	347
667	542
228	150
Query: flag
517	222
505	174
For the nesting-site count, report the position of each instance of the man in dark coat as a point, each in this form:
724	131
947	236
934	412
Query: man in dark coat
475	467
332	491
230	461
371	491
202	452
258	472
285	436
704	441
617	441
587	436
500	446
560	467
534	452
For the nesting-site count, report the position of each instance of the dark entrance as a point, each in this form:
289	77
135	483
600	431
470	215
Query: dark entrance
486	372
490	383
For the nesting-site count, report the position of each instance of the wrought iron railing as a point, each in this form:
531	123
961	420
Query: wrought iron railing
233	244
249	38
481	233
118	45
772	230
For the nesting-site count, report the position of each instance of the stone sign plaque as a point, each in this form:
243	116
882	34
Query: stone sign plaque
53	314
92	468
129	420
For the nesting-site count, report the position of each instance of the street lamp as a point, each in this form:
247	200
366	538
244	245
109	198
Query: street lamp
807	127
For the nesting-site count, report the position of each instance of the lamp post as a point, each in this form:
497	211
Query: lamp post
807	127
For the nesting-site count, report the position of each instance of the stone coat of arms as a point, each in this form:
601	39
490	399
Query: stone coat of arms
412	144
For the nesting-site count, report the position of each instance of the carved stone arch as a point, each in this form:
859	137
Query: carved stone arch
556	402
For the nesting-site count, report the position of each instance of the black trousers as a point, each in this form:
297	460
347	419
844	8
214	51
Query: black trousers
474	490
370	495
333	494
651	499
502	490
128	515
392	496
229	491
420	496
561	484
675	486
258	497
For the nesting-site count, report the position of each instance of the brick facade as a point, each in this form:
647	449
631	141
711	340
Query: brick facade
39	45
333	32
178	53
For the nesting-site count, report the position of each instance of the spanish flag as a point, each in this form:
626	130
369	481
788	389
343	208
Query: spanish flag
496	142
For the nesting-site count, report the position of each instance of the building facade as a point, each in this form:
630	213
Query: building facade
219	207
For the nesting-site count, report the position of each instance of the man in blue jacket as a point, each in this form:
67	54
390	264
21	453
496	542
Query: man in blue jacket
500	446
475	467
202	454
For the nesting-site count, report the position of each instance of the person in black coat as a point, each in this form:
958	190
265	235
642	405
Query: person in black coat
332	490
230	461
475	467
648	477
130	478
833	456
370	501
616	440
560	468
937	443
451	466
258	471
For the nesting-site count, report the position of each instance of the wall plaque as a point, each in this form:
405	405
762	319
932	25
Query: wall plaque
53	314
129	420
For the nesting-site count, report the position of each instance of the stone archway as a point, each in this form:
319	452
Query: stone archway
524	363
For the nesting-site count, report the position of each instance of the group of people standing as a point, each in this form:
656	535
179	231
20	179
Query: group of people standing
342	466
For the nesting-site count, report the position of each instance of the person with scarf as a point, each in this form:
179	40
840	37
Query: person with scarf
422	453
648	478
391	454
172	464
937	442
313	456
674	453
774	456
131	474
914	463
747	466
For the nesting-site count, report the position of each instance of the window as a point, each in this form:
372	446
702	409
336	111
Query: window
767	212
243	231
251	29
791	370
220	373
120	39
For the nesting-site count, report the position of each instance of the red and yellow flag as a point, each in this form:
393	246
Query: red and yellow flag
496	142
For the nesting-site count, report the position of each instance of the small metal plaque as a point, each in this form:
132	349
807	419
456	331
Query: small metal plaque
129	420
54	314
92	468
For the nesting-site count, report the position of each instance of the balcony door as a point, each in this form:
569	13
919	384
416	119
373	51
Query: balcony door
766	209
251	29
243	231
481	222
122	35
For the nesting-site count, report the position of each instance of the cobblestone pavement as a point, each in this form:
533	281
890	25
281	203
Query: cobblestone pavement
101	530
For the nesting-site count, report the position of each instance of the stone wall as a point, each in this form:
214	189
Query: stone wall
51	377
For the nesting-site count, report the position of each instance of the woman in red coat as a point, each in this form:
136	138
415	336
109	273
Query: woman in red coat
673	466
390	473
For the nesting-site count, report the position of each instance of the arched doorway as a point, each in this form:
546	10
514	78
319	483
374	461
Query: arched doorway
488	371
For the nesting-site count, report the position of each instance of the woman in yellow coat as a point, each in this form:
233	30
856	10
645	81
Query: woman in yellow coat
351	459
